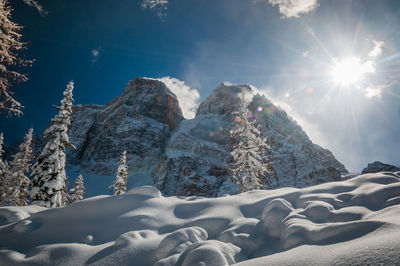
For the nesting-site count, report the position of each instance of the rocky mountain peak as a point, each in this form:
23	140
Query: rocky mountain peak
224	99
190	157
152	98
377	167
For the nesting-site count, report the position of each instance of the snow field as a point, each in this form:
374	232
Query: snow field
332	223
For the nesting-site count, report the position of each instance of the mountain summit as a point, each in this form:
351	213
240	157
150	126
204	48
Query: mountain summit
192	157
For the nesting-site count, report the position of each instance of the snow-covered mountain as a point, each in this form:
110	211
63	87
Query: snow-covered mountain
198	153
190	157
353	222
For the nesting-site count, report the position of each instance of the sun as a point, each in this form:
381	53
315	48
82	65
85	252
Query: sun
350	71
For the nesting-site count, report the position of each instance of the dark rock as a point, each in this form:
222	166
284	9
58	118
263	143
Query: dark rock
377	167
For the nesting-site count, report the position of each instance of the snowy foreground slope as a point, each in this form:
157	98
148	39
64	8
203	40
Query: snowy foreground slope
354	222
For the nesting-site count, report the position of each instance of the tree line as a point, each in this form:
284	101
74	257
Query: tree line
48	182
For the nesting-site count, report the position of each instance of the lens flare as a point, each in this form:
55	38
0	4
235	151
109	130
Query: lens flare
350	71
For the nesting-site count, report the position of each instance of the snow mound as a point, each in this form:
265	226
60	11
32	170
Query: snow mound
354	221
14	214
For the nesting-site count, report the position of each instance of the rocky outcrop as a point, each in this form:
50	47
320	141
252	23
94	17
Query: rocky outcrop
191	157
139	121
377	167
197	160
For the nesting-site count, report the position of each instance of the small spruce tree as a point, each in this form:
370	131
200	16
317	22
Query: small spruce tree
78	191
122	176
20	166
247	166
4	174
49	184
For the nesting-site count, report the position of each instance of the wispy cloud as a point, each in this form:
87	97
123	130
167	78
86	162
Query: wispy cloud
188	97
373	90
377	50
96	54
36	5
159	6
288	8
294	8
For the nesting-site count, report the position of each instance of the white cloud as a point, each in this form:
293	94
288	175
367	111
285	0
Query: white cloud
188	97
293	8
36	5
374	91
288	8
377	50
160	6
96	54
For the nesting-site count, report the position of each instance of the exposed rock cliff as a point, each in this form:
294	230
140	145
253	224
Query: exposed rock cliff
197	160
191	157
139	121
377	167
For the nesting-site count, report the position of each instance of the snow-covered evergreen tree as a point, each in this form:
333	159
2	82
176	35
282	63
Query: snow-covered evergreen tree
4	174
20	166
122	176
78	191
10	40
248	145
49	184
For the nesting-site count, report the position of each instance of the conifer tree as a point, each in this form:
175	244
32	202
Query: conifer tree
79	190
247	166
10	43
20	166
49	184
4	174
122	176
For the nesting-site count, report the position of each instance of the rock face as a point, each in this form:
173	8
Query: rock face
377	167
191	157
139	121
198	153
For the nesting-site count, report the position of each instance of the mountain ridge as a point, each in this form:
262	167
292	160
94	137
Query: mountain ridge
189	157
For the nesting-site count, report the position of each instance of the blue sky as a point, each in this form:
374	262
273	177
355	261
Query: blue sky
288	50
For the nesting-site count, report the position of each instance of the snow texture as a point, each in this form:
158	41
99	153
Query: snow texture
356	221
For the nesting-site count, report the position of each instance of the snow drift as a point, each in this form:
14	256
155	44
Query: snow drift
351	222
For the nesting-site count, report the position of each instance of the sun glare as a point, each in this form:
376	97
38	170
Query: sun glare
350	71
